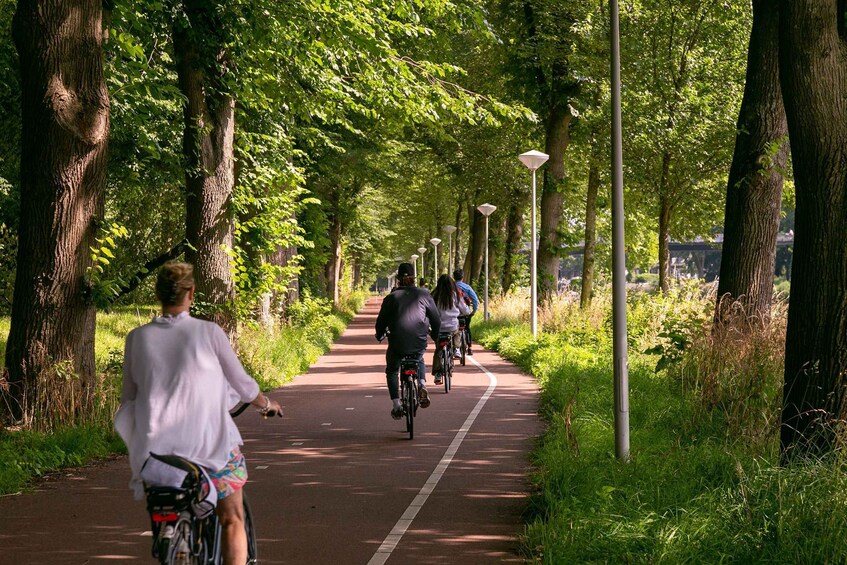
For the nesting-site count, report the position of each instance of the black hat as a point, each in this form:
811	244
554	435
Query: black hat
405	270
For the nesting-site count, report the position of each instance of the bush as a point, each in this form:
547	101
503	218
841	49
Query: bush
703	483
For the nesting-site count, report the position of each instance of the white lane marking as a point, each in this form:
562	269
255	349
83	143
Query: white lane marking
349	408
327	424
390	543
369	396
297	443
260	467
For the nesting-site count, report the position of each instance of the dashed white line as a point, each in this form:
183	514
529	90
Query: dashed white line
390	543
260	467
327	424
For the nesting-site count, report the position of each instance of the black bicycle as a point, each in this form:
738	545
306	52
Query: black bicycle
185	527
409	391
445	353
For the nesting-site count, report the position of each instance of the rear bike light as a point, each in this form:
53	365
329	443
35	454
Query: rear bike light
409	372
164	517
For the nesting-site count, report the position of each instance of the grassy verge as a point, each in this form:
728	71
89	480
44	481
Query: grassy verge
272	357
703	485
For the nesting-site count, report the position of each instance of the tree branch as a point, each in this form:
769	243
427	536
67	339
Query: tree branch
150	267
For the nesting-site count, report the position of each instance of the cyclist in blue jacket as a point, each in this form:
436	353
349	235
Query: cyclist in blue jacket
466	289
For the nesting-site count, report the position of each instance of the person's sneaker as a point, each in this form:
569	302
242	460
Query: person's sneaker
458	353
469	352
438	379
424	397
397	413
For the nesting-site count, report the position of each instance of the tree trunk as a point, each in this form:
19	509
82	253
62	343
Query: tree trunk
590	235
333	266
514	235
813	75
457	256
65	119
664	226
209	114
549	244
754	189
283	257
478	248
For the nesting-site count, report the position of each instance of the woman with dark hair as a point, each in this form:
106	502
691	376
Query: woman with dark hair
181	378
450	306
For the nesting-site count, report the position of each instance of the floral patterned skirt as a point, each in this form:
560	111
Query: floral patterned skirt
232	477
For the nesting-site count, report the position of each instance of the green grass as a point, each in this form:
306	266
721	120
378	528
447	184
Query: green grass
273	358
698	489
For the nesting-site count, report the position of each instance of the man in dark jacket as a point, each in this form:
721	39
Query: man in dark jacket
407	315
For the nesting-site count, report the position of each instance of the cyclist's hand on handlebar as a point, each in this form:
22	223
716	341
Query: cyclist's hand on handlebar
274	409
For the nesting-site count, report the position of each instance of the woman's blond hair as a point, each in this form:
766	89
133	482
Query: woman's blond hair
173	283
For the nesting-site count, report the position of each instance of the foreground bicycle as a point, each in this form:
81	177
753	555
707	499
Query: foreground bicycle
185	527
445	353
409	391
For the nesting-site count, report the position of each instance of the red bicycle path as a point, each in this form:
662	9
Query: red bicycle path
330	480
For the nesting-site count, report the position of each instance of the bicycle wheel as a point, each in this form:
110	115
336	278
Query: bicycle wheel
410	409
252	545
464	348
448	373
446	356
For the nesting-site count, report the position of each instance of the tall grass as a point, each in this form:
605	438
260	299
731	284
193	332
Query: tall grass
74	430
703	484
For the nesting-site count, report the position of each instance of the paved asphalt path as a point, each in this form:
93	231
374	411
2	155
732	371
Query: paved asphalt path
331	479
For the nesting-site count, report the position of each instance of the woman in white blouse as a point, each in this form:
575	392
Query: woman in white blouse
181	378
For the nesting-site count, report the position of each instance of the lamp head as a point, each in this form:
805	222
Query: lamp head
533	159
486	209
414	257
421	250
449	229
435	241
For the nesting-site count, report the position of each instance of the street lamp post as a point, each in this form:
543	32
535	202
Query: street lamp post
422	250
533	160
414	259
619	338
435	241
449	231
486	210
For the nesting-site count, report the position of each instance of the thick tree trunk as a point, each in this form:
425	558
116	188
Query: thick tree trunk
549	243
283	257
665	210
65	118
514	235
813	75
209	113
457	256
590	235
754	189
333	265
478	248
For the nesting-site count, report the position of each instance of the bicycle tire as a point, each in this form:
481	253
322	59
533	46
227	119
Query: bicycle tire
448	380
445	368
464	348
410	411
252	543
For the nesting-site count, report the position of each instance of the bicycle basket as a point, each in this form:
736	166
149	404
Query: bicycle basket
174	484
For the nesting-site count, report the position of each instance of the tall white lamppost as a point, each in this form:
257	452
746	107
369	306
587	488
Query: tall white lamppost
533	160
435	241
422	250
486	210
414	259
449	230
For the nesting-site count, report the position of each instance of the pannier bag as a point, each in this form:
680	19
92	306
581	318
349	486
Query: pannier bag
178	484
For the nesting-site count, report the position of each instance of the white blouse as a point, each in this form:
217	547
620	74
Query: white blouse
181	377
